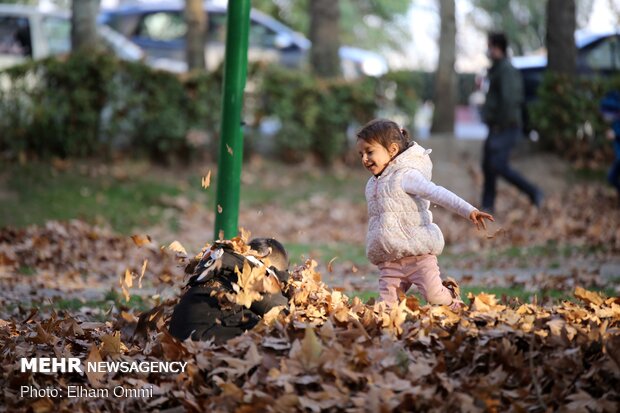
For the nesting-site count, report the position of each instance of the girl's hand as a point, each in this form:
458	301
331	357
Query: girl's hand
478	217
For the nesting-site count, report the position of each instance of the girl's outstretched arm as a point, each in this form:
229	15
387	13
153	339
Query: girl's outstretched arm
414	183
478	217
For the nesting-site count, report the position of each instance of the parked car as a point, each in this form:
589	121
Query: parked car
598	54
160	28
28	32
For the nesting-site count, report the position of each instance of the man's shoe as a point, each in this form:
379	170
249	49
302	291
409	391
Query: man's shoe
538	199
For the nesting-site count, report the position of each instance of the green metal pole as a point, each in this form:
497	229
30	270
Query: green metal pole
231	137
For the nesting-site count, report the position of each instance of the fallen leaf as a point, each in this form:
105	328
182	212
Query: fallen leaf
588	296
178	248
111	344
141	240
206	180
95	377
142	273
499	231
329	264
311	349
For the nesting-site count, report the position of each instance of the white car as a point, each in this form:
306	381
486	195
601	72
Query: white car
28	32
160	29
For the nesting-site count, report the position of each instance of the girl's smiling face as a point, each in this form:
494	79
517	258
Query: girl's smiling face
375	157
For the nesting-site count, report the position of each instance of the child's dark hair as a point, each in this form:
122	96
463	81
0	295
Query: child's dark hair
385	132
273	249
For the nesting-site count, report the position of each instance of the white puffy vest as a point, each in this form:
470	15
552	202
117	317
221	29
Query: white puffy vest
400	225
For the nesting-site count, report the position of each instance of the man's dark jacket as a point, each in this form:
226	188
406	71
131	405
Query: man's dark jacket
502	107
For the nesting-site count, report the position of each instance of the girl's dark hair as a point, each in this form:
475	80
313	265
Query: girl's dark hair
385	132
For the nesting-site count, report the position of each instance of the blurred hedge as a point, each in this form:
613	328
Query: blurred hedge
568	119
315	114
93	105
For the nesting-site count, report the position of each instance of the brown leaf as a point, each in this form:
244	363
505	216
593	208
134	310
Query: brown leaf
142	273
244	235
44	405
499	231
329	264
128	280
270	284
248	286
178	248
141	240
95	377
43	337
206	180
311	349
111	344
588	296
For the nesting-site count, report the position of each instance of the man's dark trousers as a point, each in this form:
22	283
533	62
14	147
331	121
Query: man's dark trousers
495	163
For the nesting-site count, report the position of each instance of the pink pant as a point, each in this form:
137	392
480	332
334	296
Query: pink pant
421	270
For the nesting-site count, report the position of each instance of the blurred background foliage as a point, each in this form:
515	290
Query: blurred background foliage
567	116
86	105
370	24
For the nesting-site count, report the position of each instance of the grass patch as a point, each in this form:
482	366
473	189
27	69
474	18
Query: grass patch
521	256
325	252
300	184
40	194
588	174
25	270
133	195
111	299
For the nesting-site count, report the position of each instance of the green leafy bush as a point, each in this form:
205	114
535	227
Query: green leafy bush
568	118
93	104
314	113
52	106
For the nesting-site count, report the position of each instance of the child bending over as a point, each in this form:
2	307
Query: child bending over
204	311
402	239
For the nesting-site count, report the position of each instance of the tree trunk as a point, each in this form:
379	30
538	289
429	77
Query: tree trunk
195	16
84	25
324	34
445	77
561	22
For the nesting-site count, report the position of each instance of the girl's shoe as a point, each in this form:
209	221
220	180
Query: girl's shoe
457	304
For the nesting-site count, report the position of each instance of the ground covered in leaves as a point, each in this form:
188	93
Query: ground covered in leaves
72	289
328	353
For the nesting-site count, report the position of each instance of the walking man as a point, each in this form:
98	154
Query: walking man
502	114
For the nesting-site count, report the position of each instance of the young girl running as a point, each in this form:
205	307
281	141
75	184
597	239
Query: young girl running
402	239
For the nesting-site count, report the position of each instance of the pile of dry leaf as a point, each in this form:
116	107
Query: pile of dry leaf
328	353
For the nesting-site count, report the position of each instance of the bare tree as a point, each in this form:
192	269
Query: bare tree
561	22
445	76
196	19
84	25
522	21
324	34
